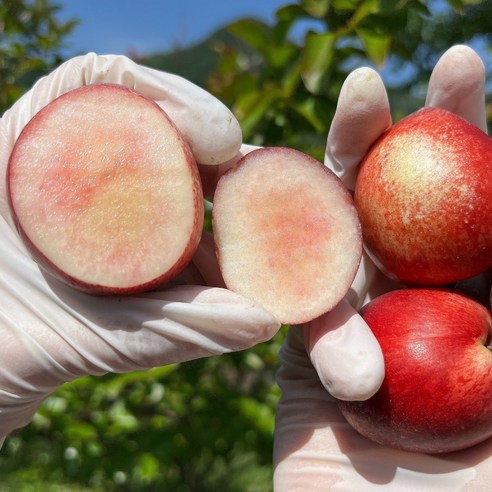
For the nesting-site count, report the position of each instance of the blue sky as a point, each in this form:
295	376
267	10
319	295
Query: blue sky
148	26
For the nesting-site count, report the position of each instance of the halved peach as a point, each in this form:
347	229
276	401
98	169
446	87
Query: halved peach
287	233
105	191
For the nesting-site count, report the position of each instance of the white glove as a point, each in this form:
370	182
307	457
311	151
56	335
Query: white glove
52	334
315	448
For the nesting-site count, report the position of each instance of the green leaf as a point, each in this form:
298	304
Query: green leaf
291	79
290	13
286	18
259	413
345	5
116	385
316	8
122	419
252	32
417	6
56	405
307	108
252	107
318	55
80	431
278	56
376	45
368	7
147	467
457	4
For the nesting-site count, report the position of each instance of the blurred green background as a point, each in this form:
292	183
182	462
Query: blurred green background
207	425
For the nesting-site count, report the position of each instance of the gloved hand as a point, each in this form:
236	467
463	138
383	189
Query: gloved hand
315	448
51	334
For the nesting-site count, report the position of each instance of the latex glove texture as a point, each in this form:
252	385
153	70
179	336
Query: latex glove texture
315	448
52	334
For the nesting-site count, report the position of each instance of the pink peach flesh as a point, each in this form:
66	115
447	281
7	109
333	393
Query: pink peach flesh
105	191
287	233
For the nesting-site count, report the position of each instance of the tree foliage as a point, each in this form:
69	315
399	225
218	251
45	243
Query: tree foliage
207	425
287	92
30	40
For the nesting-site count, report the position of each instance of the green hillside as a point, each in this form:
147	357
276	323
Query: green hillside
198	61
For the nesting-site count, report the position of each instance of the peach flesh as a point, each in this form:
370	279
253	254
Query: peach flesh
105	191
287	233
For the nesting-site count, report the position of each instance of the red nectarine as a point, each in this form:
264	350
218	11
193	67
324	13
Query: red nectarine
436	395
424	198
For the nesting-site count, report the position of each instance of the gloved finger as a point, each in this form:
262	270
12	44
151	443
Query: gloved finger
205	261
89	334
345	353
210	175
76	335
208	125
362	115
51	335
457	84
316	449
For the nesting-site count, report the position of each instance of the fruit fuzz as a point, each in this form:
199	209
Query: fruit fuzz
424	198
436	396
